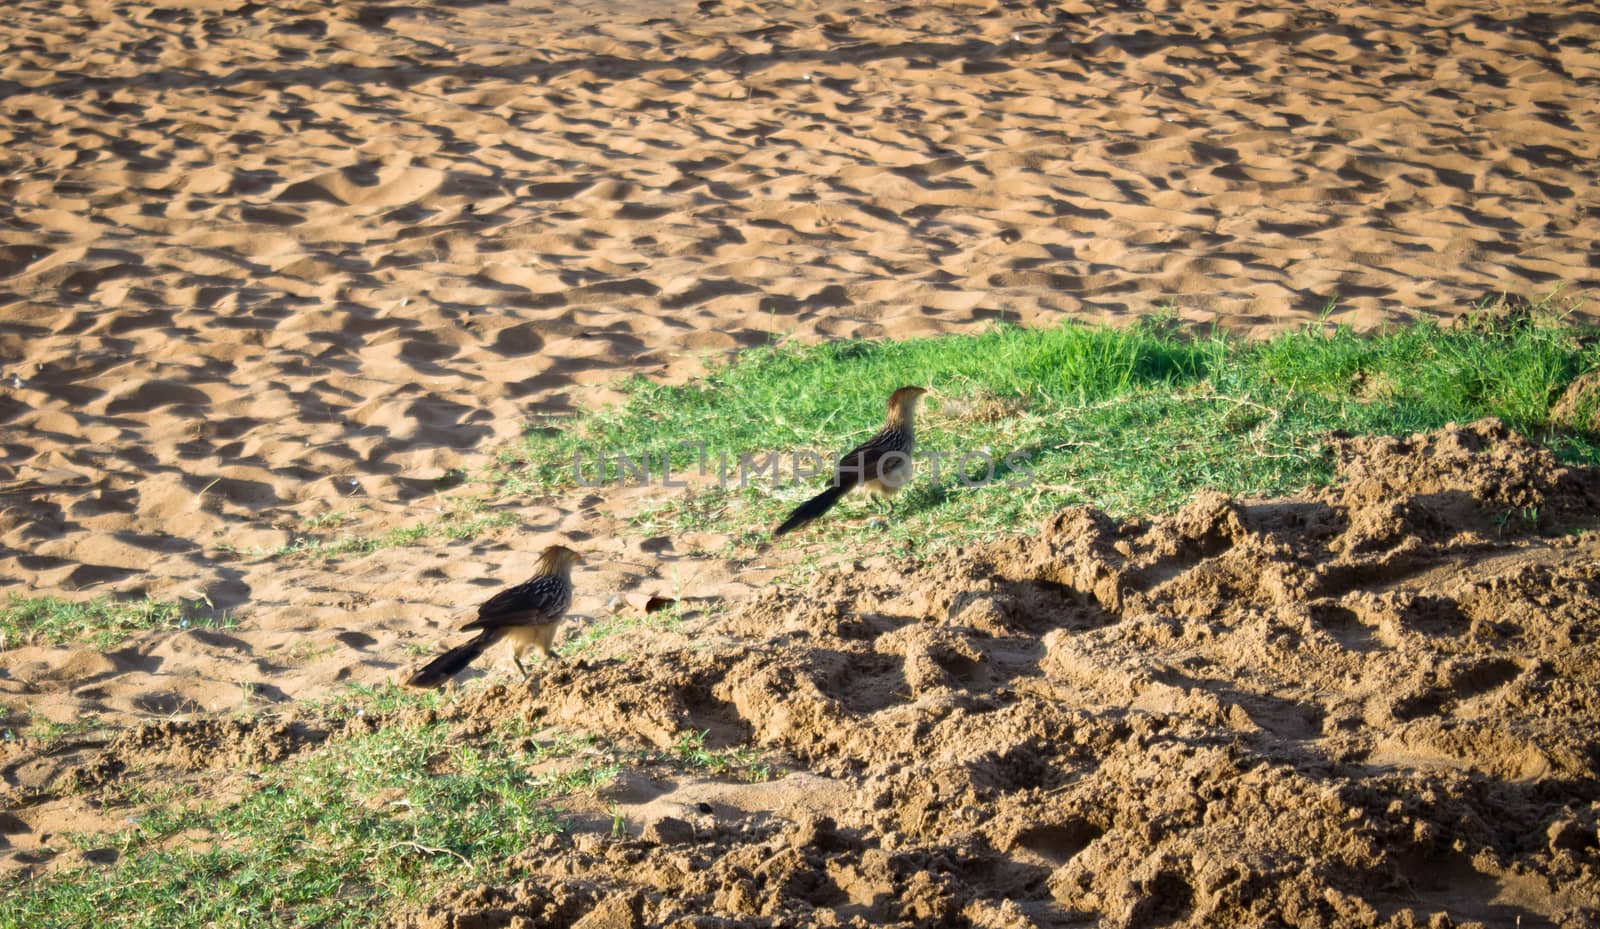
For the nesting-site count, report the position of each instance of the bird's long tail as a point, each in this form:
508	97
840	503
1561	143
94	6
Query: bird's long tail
453	662
811	509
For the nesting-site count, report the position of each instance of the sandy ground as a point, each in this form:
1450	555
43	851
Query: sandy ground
264	263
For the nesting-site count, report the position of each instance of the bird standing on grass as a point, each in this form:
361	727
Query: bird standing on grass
881	465
527	615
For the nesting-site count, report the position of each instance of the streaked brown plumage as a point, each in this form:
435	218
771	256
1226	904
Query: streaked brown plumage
881	465
526	615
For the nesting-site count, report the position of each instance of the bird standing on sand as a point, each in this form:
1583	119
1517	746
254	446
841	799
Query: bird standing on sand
527	614
881	465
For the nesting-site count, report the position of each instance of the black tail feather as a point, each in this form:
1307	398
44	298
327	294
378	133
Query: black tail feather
811	509
454	661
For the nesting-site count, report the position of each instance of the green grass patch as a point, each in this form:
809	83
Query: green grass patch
360	826
350	832
101	623
1133	420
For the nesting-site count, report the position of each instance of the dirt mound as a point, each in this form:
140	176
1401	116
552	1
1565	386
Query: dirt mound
198	745
1375	706
153	750
1579	406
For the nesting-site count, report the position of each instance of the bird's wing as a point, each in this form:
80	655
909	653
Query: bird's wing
868	460
541	598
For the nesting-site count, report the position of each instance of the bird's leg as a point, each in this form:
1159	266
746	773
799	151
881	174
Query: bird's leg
518	660
875	517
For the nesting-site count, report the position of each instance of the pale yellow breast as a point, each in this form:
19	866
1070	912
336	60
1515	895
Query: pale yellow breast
541	637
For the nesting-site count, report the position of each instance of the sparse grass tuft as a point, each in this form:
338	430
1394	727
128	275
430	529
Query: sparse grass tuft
329	520
101	623
379	700
691	752
464	520
586	642
48	736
